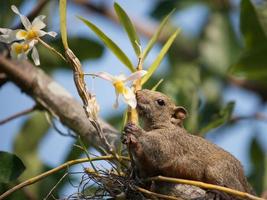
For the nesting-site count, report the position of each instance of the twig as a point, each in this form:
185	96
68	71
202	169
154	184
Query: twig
54	170
19	114
53	124
52	49
50	192
162	196
205	185
256	116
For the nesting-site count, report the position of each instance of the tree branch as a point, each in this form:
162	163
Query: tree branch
55	99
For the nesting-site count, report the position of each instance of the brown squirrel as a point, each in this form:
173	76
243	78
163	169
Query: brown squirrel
165	148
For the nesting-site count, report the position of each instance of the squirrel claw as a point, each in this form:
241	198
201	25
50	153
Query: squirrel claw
129	139
131	128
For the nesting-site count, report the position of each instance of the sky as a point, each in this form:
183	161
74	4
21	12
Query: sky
53	147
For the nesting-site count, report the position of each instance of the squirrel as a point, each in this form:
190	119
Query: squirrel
164	147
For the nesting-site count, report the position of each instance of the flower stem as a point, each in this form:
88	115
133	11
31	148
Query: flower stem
52	49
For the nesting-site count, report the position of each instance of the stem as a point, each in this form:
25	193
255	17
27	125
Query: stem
132	113
52	49
206	186
19	114
52	171
149	193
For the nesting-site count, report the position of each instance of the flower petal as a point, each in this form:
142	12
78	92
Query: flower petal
22	56
24	20
35	56
116	104
129	97
106	76
8	36
121	77
52	33
37	23
136	75
5	31
21	34
41	33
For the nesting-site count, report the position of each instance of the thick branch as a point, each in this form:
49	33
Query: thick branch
55	99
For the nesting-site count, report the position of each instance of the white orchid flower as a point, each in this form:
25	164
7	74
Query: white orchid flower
20	50
30	36
120	88
32	30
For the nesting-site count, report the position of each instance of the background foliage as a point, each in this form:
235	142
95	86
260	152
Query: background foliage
199	69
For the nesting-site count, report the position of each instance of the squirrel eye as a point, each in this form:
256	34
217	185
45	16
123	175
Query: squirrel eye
161	102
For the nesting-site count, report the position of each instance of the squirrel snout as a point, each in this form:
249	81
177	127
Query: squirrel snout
141	97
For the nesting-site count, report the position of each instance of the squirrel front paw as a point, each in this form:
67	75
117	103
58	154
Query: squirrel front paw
132	128
130	133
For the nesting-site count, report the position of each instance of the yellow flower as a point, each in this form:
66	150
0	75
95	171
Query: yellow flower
119	84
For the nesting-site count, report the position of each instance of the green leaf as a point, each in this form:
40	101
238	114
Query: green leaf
257	156
252	62
110	44
250	25
10	167
223	116
129	28
63	24
157	84
160	56
156	35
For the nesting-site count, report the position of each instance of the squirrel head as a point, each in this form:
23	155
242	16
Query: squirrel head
157	109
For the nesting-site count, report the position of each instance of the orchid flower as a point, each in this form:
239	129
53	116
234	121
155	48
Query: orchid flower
20	50
30	36
119	84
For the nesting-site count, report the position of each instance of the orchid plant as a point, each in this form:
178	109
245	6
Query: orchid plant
23	41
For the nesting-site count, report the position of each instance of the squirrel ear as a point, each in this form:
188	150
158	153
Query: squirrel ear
180	113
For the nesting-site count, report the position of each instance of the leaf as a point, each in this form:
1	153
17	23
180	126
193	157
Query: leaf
157	85
250	25
129	28
223	116
156	35
11	167
256	178
252	62
63	24
160	56
110	44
